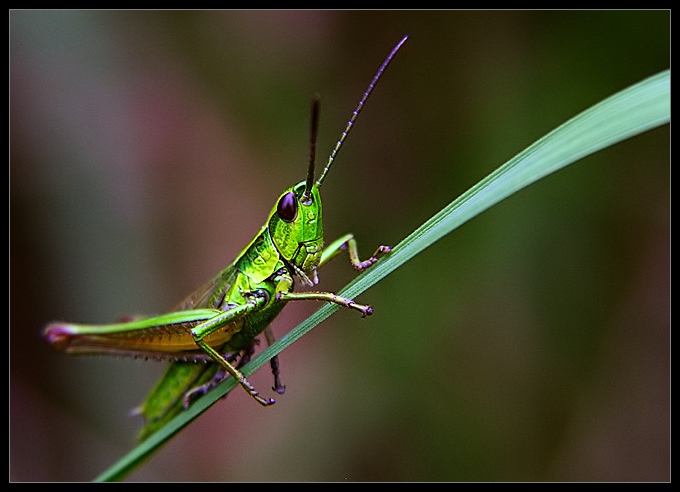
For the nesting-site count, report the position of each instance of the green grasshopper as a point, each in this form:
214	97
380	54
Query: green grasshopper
219	323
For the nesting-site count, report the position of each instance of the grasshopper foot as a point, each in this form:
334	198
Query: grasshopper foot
382	250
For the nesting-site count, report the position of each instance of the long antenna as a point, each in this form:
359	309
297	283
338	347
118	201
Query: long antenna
358	109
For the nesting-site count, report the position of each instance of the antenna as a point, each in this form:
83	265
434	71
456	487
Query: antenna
358	109
316	101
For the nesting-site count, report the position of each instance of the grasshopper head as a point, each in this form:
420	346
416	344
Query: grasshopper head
295	223
296	228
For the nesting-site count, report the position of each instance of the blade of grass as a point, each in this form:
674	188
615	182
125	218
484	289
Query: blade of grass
634	110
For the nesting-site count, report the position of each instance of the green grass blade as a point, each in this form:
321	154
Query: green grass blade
634	110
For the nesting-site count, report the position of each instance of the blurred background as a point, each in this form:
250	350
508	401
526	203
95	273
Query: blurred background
533	343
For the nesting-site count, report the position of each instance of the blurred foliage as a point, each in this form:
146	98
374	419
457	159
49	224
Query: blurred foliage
146	149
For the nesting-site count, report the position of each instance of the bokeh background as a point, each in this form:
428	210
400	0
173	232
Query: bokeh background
533	343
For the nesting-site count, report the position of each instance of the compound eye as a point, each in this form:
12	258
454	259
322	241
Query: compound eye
287	207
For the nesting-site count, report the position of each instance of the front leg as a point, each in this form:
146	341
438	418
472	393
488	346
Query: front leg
347	242
365	310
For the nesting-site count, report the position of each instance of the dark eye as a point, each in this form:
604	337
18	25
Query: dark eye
287	207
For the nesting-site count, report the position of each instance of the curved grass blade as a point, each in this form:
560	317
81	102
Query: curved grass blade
632	111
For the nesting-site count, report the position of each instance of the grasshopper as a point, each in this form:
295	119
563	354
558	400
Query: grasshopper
212	333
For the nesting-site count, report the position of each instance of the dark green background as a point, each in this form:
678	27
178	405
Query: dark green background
533	343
